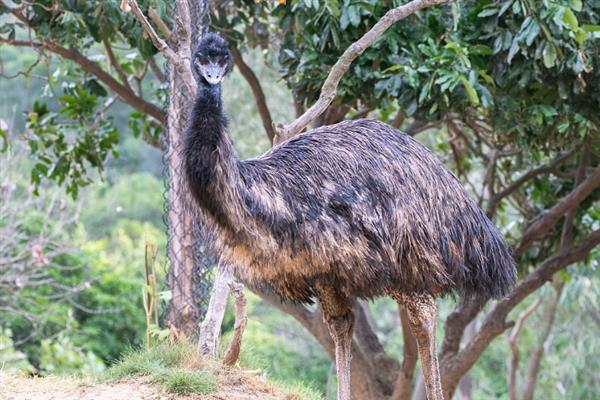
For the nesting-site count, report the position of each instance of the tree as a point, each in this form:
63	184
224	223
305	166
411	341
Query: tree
80	41
505	93
510	86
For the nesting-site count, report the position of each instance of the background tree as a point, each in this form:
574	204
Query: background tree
102	58
504	92
510	85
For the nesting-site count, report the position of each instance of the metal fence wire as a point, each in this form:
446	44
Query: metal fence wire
190	267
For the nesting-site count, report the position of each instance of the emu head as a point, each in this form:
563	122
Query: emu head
212	59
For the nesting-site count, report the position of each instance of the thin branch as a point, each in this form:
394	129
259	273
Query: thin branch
241	320
566	236
329	89
162	26
93	68
403	386
156	70
538	352
513	362
159	43
549	218
181	64
398	119
112	60
495	323
418	126
259	95
494	200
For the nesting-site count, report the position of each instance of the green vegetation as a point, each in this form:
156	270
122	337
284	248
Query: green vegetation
186	382
164	364
496	89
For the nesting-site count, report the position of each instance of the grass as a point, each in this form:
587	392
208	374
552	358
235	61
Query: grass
179	370
173	366
184	382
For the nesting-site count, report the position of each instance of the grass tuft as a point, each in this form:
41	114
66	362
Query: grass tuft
166	365
148	362
184	382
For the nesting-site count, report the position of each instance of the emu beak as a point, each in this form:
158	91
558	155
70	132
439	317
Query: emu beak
213	73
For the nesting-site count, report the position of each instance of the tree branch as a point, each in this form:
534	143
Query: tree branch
259	95
181	64
329	89
241	320
128	96
453	368
538	352
160	23
494	200
403	386
457	322
156	70
549	218
513	362
112	60
208	341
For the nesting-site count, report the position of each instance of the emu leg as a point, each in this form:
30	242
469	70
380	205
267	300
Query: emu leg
340	329
422	313
338	316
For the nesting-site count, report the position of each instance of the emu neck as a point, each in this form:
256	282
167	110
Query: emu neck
210	163
207	114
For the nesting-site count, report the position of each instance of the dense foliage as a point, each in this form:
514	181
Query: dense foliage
495	88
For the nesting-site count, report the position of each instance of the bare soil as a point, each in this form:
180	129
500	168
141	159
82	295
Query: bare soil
233	385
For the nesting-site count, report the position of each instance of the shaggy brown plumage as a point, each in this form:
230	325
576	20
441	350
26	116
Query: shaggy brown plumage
356	209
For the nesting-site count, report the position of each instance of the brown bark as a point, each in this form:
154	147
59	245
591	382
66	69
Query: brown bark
241	320
182	218
329	88
208	341
403	388
550	217
513	337
538	352
454	367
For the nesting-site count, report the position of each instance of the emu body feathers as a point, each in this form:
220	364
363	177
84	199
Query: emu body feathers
359	205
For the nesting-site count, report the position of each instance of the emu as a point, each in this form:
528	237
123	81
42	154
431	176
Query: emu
353	210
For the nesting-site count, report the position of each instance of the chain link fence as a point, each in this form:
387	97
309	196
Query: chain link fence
190	268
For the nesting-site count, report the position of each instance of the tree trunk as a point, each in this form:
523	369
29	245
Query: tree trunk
208	342
183	310
538	351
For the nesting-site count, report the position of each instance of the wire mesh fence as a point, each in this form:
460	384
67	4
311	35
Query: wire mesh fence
190	269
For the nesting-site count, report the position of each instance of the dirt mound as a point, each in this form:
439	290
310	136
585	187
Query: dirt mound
233	385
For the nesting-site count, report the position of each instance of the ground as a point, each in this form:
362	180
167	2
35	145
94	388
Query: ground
232	386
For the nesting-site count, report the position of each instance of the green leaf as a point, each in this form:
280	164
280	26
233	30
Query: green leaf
481	49
471	92
591	28
4	137
580	37
505	7
576	5
487	12
570	19
334	7
549	55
